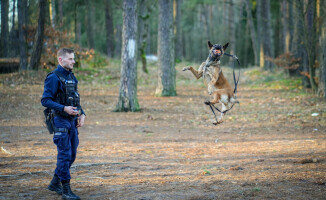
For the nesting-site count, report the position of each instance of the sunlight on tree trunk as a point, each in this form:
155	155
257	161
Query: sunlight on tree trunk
52	13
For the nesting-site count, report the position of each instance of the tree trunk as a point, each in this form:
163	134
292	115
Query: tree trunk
322	55
259	35
22	6
128	79
38	43
231	30
13	16
254	40
298	46
267	34
311	42
283	44
78	33
109	29
166	72
290	24
118	40
4	28
13	34
322	79
47	13
246	45
178	42
60	13
143	32
76	22
53	13
89	27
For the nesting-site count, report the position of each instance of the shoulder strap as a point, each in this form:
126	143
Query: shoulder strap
59	75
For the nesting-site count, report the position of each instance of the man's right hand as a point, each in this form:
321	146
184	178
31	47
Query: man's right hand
71	110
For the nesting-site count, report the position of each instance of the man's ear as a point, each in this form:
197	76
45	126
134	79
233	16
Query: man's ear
209	44
225	46
59	60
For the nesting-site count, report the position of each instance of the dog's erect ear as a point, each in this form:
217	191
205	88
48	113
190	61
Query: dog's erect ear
225	46
209	44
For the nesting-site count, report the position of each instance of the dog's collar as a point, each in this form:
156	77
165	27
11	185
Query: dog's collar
212	59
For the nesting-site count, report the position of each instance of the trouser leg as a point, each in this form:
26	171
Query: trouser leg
74	141
62	140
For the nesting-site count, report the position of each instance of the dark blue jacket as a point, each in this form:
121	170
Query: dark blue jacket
53	85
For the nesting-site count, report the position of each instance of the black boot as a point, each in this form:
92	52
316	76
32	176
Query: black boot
67	194
55	185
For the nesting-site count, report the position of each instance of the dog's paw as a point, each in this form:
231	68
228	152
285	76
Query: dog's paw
216	123
207	102
185	68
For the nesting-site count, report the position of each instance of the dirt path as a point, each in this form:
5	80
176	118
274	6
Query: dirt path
269	147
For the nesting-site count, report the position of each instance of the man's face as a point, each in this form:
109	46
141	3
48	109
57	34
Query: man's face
67	61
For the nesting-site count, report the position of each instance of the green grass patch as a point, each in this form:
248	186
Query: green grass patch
273	80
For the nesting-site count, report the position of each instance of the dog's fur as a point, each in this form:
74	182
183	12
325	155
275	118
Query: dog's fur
216	83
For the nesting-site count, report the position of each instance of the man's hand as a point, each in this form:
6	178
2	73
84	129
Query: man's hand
71	110
80	120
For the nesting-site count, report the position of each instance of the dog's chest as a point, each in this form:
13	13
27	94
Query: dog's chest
211	71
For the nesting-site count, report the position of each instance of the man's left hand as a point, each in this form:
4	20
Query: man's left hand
80	120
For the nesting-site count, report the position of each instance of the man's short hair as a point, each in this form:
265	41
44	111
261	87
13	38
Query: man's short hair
64	51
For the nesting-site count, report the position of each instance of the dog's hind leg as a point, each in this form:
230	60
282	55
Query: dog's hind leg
222	113
216	98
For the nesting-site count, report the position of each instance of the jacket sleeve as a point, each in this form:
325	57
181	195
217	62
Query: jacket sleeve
51	85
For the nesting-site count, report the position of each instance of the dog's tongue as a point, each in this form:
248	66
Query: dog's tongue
217	52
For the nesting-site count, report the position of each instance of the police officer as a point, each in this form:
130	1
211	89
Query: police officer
61	96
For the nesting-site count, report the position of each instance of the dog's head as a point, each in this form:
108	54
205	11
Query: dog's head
216	51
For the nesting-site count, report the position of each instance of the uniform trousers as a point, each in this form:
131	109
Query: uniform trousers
67	143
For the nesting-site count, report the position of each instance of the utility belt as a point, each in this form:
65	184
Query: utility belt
49	122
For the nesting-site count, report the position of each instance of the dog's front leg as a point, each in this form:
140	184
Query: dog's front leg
197	73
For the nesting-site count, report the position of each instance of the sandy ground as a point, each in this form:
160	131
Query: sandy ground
268	147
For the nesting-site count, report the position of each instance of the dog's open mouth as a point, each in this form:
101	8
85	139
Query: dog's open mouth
217	52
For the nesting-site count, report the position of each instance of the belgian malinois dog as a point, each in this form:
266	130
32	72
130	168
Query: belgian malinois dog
217	85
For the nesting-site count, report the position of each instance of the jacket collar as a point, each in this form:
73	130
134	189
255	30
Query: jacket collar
63	70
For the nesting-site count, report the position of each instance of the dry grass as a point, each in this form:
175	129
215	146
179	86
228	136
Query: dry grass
269	147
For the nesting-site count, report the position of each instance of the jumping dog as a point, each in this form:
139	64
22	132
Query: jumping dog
217	85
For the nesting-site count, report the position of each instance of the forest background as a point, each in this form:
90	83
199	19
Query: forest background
283	33
271	146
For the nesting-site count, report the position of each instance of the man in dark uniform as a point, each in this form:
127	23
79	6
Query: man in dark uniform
61	96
